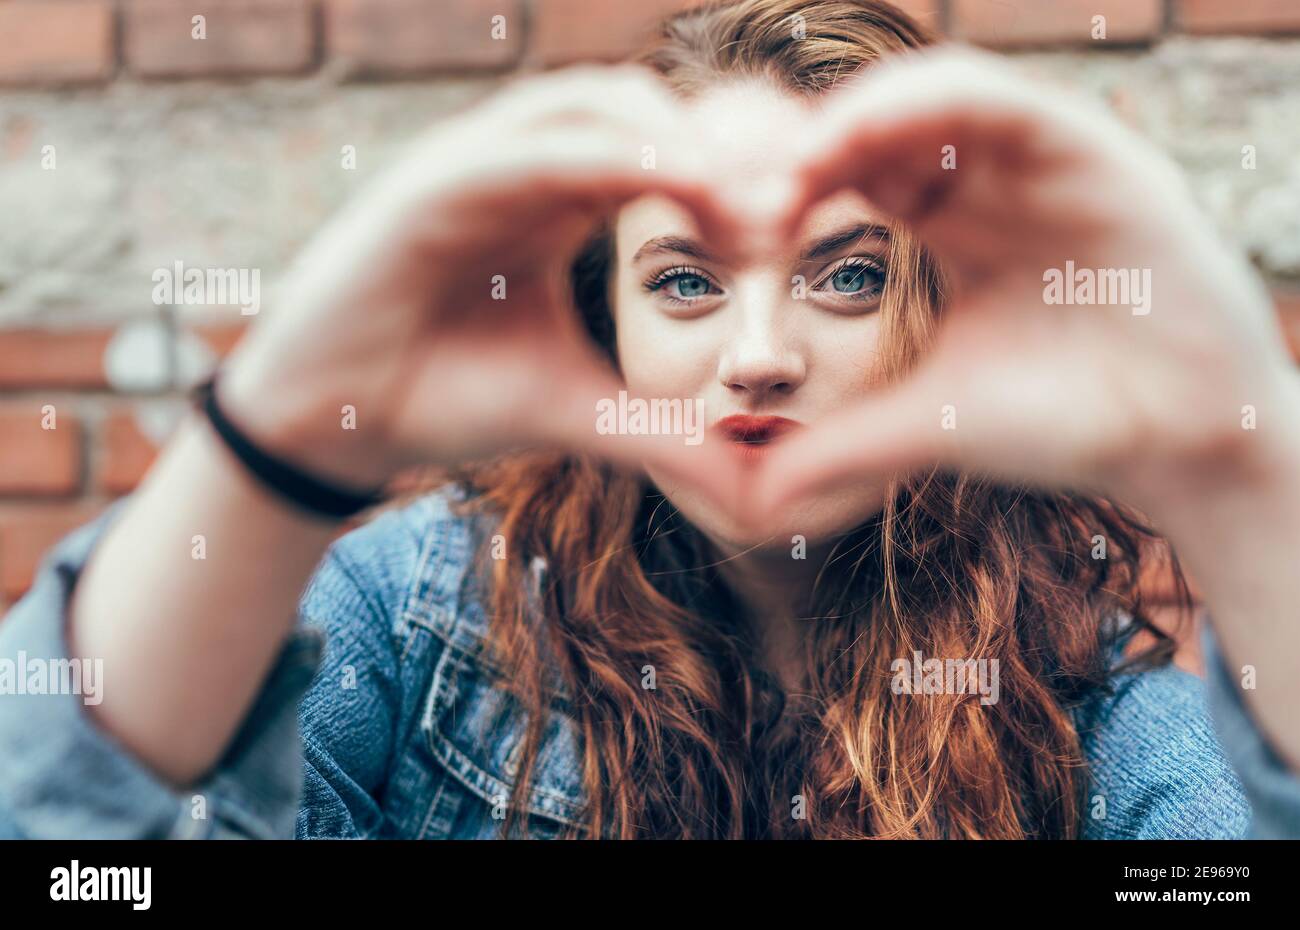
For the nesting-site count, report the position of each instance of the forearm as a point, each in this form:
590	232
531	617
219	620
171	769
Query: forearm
187	600
1240	540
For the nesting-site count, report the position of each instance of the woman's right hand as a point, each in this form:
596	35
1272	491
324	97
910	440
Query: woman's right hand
389	310
437	304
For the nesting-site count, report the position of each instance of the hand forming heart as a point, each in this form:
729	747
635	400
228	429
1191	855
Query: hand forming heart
1139	381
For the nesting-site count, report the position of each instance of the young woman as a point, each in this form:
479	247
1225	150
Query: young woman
926	434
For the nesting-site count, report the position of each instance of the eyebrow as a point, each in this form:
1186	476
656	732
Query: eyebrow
827	245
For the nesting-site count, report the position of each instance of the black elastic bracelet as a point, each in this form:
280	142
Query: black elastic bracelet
289	482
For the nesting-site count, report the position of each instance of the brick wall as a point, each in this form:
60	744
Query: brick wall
144	120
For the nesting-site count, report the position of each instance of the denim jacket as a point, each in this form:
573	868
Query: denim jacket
380	718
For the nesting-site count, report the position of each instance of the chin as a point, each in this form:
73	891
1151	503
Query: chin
820	520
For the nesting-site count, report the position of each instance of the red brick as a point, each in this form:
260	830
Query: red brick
243	37
415	36
221	339
53	358
69	41
1053	22
125	454
36	461
564	31
1237	16
27	531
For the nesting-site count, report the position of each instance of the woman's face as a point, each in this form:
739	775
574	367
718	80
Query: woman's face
748	340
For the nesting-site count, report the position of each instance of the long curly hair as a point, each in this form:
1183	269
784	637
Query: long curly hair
953	566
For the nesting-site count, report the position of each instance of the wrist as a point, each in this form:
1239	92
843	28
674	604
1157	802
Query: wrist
292	419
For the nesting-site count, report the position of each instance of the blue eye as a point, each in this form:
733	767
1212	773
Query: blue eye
858	279
690	285
849	280
681	285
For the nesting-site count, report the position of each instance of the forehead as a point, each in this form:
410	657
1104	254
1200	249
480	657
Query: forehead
749	119
745	122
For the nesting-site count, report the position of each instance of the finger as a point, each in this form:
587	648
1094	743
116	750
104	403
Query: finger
901	429
593	412
963	409
953	145
589	173
600	190
595	136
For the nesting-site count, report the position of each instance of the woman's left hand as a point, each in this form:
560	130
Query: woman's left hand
1014	189
1176	396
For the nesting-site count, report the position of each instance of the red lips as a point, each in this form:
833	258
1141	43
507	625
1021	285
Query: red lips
751	434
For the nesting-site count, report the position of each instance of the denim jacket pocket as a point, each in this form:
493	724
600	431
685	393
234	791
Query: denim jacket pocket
474	728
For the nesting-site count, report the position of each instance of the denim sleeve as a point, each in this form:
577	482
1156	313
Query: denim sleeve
63	776
1272	788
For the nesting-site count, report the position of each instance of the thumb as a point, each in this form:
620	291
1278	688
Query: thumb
596	414
908	426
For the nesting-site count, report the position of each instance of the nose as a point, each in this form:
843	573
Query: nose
760	363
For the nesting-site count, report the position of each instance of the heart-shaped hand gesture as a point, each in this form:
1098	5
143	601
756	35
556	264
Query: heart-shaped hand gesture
437	305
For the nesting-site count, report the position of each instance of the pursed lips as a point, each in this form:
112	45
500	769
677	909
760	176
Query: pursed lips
752	436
